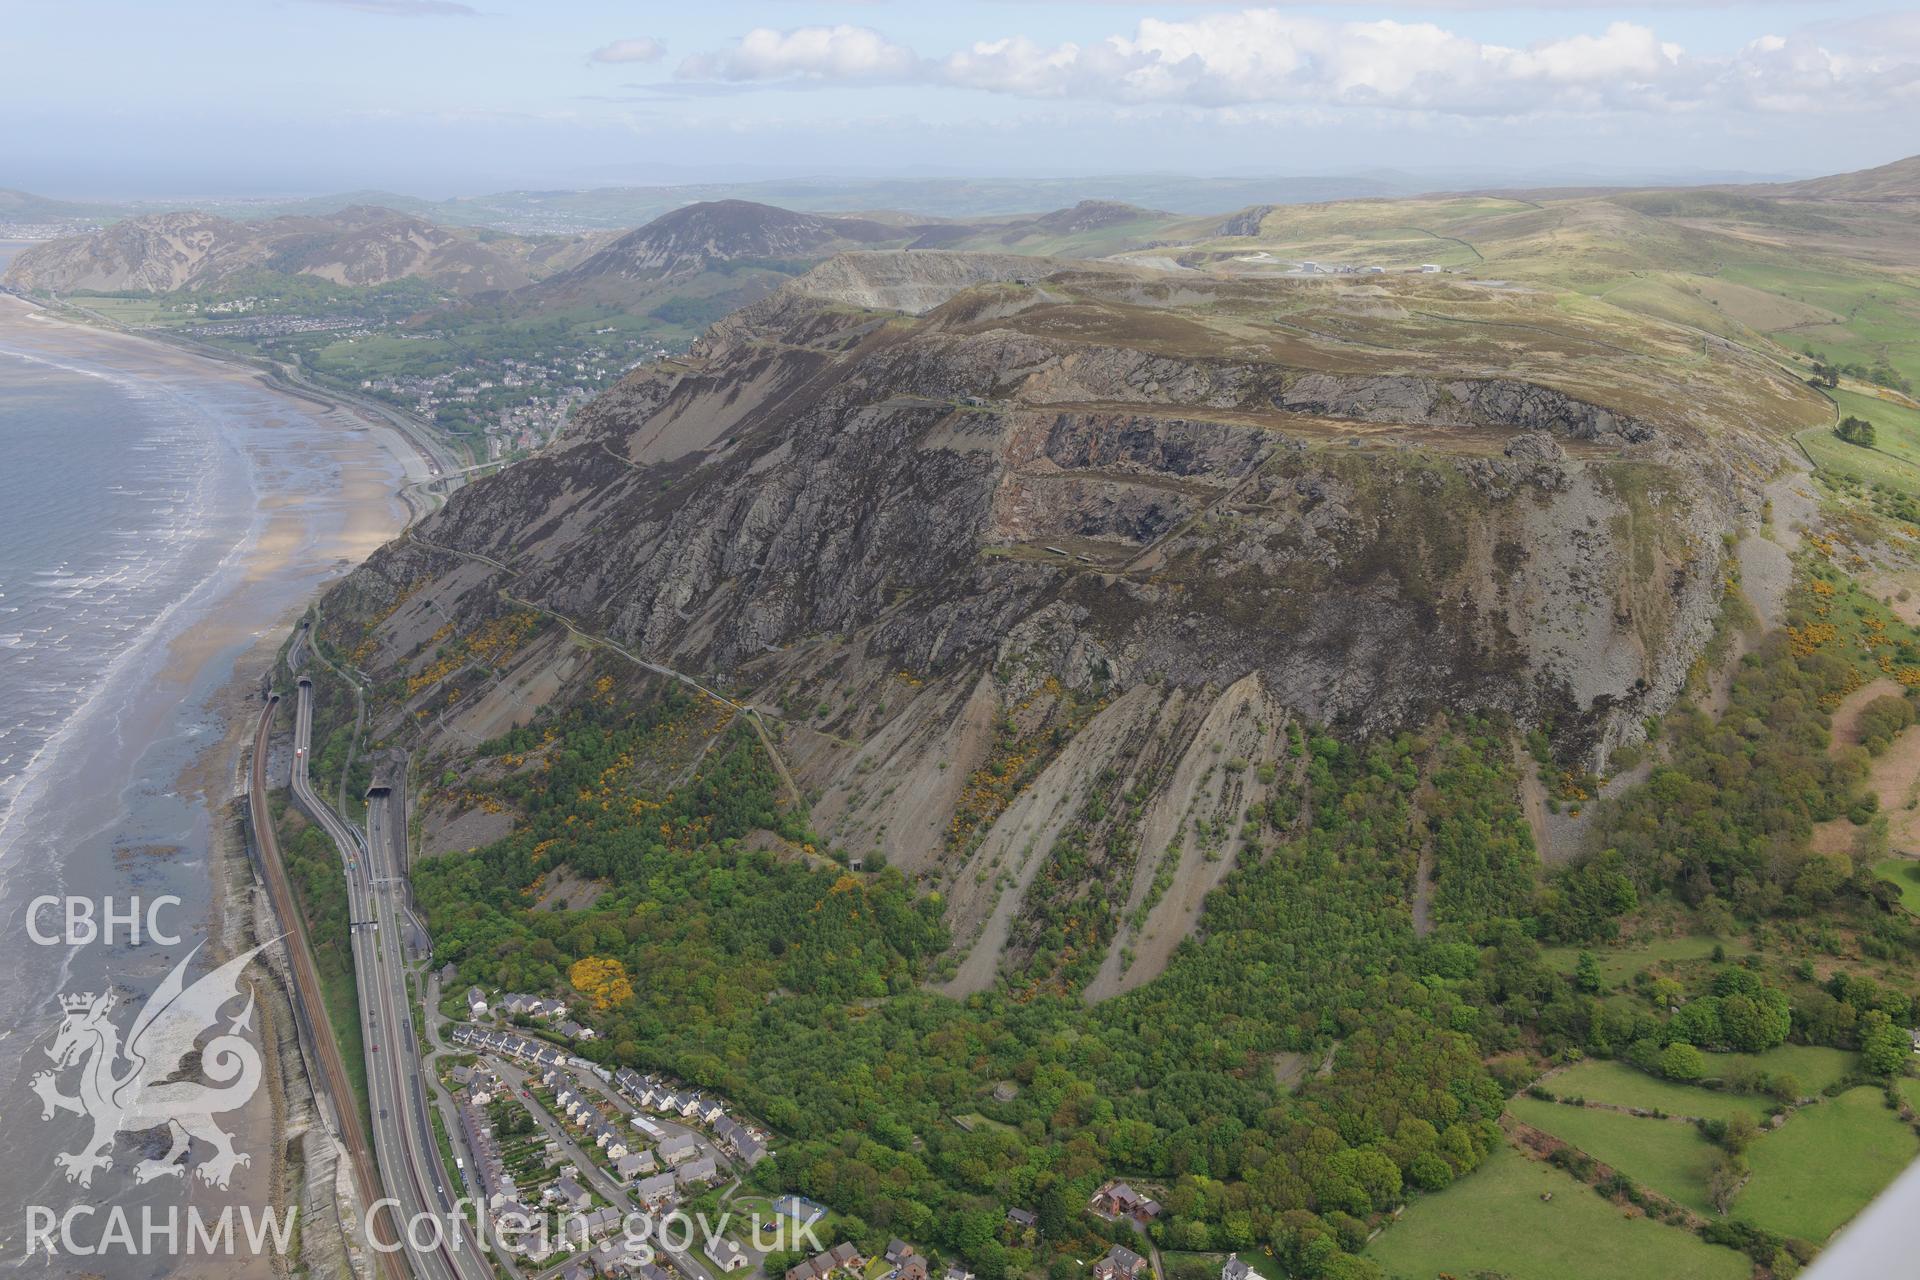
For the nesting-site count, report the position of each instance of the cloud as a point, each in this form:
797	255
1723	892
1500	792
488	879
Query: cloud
405	8
1880	32
636	49
841	53
1266	56
1279	58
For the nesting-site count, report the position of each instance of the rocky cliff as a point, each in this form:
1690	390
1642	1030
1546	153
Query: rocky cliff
1006	549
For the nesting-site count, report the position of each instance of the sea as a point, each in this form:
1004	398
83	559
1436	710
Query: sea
144	497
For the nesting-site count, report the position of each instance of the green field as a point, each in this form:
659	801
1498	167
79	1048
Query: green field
1619	964
1812	1176
1494	1220
1875	313
143	310
1667	1156
1869	466
1894	459
1813	1066
1904	872
1896	427
1621	1085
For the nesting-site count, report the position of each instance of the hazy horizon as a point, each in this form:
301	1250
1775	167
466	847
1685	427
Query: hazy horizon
1413	179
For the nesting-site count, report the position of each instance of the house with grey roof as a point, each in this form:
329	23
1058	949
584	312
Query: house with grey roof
1234	1269
1121	1263
657	1190
598	1222
1118	1200
676	1147
633	1164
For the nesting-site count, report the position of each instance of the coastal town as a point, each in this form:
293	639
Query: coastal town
500	392
515	404
566	1155
564	1151
507	399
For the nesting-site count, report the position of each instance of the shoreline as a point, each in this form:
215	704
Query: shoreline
281	538
217	644
408	439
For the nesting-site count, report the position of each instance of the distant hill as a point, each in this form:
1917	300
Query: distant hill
694	237
688	266
709	235
1093	215
359	245
24	206
1898	181
321	206
1888	182
930	200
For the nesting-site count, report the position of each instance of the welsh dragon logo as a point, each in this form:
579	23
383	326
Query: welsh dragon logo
131	1087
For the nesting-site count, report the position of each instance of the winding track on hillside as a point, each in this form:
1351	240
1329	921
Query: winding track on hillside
752	714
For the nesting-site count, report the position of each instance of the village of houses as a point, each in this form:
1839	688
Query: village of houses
515	402
564	1150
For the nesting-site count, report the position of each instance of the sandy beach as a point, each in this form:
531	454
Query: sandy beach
167	750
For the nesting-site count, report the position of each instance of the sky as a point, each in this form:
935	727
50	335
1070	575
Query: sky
161	98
